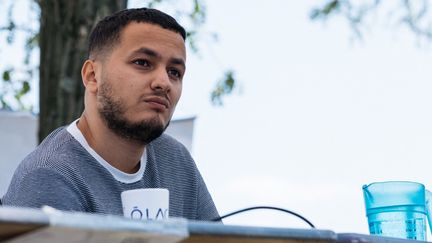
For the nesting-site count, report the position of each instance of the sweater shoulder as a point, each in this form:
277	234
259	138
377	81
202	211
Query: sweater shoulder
55	149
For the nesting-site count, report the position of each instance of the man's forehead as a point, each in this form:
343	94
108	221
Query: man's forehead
137	35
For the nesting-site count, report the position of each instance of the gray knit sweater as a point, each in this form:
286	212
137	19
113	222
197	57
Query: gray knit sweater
62	174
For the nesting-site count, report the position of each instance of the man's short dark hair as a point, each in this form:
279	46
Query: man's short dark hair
106	34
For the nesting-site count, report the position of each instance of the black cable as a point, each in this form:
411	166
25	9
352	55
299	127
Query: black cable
265	207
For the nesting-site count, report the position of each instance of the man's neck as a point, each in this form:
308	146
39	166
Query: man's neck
121	153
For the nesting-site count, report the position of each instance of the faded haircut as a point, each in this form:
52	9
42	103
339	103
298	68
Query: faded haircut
106	34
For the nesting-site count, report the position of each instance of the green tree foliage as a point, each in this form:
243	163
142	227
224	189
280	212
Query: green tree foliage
16	79
224	87
415	15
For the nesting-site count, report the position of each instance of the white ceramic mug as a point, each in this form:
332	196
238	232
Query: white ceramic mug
146	203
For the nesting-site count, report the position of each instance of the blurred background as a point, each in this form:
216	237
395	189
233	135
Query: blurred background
298	104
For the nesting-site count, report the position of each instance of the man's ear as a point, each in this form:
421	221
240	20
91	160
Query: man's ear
88	74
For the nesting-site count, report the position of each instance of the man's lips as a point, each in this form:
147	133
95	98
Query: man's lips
158	102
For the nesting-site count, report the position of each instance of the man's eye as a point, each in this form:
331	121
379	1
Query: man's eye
142	62
174	73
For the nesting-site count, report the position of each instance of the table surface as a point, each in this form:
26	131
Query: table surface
50	225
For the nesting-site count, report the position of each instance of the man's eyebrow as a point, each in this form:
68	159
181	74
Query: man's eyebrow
178	61
147	51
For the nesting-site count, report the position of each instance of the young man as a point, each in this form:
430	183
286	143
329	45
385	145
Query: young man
133	81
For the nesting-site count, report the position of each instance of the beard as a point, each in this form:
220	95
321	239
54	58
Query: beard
113	113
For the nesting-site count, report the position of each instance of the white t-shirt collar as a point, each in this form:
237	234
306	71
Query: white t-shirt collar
118	174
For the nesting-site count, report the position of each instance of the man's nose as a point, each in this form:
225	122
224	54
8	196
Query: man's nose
161	81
